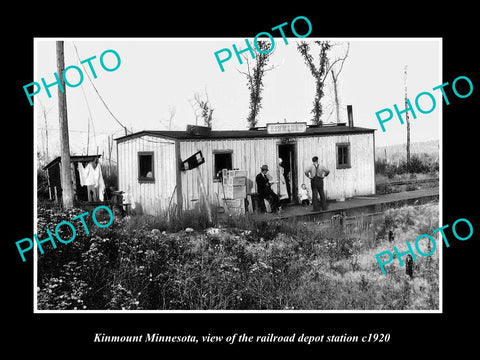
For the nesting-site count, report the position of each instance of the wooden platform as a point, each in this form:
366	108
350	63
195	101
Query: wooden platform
359	205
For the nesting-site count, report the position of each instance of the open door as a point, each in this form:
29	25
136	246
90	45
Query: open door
287	153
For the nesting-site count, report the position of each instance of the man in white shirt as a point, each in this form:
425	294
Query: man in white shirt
316	173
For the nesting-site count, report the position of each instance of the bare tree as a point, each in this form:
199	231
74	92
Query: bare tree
320	73
254	77
171	114
202	108
335	75
44	113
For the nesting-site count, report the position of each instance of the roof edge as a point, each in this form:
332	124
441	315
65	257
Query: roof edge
184	135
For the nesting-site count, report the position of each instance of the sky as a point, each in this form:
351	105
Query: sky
157	79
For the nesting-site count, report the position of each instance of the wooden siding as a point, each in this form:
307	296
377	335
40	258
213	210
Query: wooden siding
150	197
357	180
247	154
250	154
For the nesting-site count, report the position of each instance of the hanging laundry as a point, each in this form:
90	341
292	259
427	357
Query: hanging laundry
92	178
82	174
92	193
86	174
98	181
90	175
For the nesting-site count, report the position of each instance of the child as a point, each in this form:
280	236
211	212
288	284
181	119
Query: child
304	195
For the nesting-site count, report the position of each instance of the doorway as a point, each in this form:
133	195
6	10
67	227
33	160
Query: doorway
286	152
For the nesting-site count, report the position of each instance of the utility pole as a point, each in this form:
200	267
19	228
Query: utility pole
110	147
408	121
88	133
66	174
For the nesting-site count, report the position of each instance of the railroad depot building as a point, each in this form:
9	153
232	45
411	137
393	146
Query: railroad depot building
151	163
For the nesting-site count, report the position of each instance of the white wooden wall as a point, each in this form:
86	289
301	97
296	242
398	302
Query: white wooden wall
357	180
250	154
247	154
150	198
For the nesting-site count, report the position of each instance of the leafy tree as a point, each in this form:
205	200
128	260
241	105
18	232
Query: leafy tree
255	80
319	74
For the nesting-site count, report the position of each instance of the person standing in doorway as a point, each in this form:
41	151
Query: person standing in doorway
282	184
316	173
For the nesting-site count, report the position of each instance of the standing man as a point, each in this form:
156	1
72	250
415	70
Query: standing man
316	173
265	192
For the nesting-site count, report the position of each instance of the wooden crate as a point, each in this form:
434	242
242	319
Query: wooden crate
234	206
235	211
235	191
224	176
236	181
237	173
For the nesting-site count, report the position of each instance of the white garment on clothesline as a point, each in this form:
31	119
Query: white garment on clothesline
82	174
90	176
98	180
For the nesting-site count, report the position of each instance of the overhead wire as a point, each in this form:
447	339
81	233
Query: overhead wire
90	117
103	101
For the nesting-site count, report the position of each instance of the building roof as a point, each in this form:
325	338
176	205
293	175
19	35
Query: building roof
73	158
247	134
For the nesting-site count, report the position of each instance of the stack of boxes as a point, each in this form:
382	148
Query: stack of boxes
235	190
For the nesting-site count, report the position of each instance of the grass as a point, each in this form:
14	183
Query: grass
180	261
419	164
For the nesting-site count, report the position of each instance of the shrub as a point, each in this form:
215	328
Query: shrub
419	164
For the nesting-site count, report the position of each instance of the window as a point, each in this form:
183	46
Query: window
221	160
145	167
343	155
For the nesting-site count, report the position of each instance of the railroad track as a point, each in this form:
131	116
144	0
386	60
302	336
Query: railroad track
408	182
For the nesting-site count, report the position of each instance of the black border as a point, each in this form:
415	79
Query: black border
410	333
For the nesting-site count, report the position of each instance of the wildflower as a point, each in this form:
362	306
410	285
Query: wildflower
213	231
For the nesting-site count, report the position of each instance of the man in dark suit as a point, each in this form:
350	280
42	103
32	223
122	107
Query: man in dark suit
265	192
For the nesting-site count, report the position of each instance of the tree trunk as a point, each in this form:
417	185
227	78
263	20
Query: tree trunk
408	122
46	134
335	90
66	174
